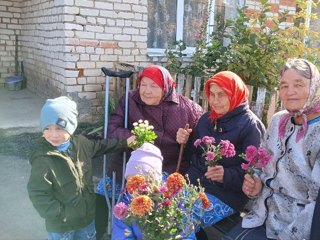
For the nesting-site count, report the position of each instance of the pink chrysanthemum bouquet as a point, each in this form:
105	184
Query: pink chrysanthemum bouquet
213	153
257	158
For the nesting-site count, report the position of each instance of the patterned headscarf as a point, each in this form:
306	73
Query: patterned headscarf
313	102
232	85
160	76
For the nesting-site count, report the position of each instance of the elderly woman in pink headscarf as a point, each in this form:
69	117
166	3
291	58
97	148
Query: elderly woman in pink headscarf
286	191
155	100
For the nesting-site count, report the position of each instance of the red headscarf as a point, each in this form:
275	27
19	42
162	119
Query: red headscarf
160	76
232	85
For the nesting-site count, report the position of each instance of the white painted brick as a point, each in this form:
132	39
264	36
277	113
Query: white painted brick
120	22
92	72
139	38
84	57
139	24
138	16
71	57
126	15
111	22
6	14
132	1
89	49
118	51
14	9
6	3
99	51
141	58
126	45
70	89
104	5
91	80
71	10
122	37
80	49
127	52
92	88
133	31
108	14
102	21
126	58
87	64
71	81
111	58
139	8
122	7
91	28
89	12
94	58
103	36
83	35
82	80
84	3
113	30
72	26
69	34
92	20
143	32
81	20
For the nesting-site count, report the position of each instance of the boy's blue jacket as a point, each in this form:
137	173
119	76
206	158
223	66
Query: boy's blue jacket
60	185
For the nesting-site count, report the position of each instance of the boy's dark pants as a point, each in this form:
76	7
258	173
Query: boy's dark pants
101	216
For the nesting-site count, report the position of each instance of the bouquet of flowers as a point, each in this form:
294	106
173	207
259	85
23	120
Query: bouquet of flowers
213	153
143	133
257	158
162	210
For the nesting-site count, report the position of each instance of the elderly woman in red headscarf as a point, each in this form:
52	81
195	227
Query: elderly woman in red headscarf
155	100
230	119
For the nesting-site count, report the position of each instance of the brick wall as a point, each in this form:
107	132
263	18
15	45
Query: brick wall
65	43
10	13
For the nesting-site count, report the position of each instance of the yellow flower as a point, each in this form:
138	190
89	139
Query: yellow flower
141	205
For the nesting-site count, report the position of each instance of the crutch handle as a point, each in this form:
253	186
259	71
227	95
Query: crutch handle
121	74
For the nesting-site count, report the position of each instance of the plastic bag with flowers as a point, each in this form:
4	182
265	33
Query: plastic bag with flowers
257	158
213	153
143	133
162	210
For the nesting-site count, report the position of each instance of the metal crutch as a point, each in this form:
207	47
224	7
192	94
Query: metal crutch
123	74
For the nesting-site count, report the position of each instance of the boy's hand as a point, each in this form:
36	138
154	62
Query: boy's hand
131	139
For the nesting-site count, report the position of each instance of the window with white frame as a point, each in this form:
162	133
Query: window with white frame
170	21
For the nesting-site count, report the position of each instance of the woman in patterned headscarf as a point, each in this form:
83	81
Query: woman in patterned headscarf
154	100
230	119
287	189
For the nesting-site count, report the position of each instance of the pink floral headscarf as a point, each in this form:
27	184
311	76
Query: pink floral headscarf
311	106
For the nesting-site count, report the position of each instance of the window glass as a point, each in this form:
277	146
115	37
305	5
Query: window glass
161	22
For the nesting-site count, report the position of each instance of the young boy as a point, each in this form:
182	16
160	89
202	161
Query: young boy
60	185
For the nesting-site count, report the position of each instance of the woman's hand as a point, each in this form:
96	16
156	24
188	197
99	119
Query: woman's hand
251	185
131	139
183	135
215	173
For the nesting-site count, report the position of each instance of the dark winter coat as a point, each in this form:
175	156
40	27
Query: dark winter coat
174	112
242	128
60	185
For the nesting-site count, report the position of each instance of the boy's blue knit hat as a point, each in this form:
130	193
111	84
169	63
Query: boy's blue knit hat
60	111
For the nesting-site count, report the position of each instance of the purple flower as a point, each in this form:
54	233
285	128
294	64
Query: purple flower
197	142
120	210
210	156
167	202
227	148
251	153
208	140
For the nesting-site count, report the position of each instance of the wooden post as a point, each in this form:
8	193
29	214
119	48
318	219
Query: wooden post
196	89
261	95
273	105
187	91
180	83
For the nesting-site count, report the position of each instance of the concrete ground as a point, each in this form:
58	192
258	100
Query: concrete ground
19	113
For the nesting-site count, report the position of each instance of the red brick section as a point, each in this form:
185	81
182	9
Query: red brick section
89	43
108	44
289	3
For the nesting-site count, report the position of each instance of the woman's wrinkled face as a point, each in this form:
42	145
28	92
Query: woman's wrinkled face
150	92
55	135
218	99
294	90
